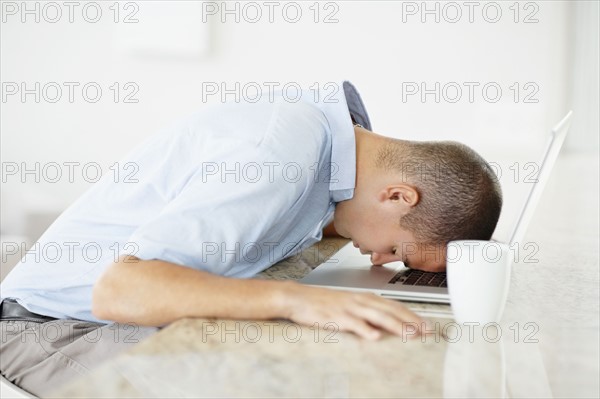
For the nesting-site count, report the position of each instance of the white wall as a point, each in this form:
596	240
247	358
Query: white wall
370	45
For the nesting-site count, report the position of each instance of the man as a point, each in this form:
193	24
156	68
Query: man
229	192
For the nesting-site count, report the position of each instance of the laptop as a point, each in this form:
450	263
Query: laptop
348	269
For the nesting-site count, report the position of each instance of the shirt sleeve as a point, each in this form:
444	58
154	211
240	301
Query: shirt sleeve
235	201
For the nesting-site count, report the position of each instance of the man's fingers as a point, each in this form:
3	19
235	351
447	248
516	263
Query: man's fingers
393	308
365	314
389	318
380	319
360	327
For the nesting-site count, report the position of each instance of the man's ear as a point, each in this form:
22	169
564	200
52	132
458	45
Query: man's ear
404	195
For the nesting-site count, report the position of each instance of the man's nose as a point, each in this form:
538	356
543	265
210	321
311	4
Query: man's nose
380	259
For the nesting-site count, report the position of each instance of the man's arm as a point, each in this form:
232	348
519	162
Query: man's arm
155	293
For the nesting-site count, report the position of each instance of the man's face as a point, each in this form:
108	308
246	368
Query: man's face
374	228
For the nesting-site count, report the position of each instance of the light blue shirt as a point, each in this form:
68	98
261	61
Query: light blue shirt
231	190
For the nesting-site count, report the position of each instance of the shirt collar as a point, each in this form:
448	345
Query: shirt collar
337	108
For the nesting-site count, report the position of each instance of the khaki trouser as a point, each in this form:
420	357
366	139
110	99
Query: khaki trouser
40	357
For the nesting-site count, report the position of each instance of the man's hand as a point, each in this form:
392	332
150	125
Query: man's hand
364	314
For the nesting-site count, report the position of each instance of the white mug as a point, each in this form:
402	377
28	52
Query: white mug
478	274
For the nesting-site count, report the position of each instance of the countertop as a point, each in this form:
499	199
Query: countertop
546	345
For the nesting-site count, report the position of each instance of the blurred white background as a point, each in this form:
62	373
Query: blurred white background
547	50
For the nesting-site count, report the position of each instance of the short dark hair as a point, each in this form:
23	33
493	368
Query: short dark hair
460	196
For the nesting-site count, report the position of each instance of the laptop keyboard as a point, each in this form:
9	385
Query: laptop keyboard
419	277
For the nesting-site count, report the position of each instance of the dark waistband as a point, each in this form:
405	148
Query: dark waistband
11	310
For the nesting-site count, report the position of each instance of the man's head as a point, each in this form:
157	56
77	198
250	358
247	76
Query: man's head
412	198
